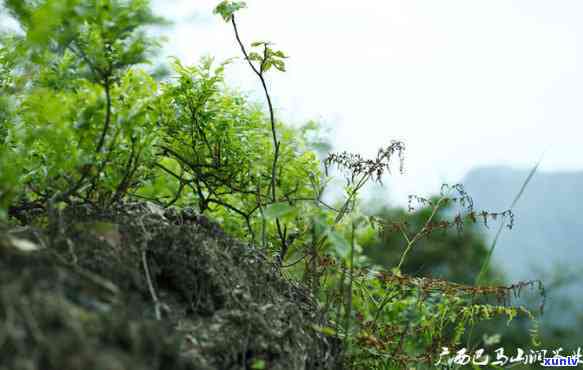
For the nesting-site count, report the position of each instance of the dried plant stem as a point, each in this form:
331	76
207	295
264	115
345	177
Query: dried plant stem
411	242
157	304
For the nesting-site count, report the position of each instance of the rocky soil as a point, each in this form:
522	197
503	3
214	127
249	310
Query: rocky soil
140	287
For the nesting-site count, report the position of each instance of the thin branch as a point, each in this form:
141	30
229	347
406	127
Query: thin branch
243	47
130	169
107	122
420	233
276	143
270	106
295	262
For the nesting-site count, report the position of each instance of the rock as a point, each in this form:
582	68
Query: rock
225	305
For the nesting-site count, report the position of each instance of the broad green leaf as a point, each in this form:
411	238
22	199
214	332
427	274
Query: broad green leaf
320	224
340	244
277	210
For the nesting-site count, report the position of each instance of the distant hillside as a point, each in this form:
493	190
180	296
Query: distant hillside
547	238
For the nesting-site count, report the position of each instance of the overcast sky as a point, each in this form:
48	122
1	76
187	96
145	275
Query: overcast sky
463	83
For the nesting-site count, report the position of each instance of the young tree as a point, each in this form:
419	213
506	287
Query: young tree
83	121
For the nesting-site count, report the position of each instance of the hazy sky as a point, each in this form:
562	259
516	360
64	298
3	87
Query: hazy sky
463	83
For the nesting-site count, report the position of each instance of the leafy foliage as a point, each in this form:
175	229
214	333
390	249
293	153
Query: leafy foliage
227	8
84	117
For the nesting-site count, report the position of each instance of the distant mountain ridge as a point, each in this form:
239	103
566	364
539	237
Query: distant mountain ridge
547	237
546	241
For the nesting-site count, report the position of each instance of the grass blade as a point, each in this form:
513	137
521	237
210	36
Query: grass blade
486	263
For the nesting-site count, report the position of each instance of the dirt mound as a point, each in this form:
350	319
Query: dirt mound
140	287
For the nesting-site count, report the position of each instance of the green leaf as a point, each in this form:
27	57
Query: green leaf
326	330
396	271
279	54
227	8
266	66
255	56
320	224
277	210
340	244
258	364
279	65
